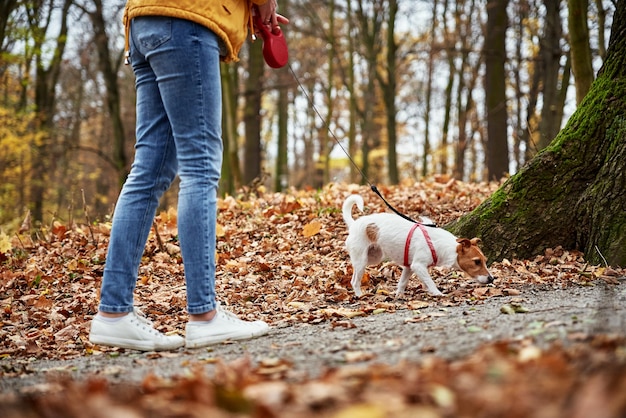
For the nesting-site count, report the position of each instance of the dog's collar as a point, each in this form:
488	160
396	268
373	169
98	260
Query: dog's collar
407	245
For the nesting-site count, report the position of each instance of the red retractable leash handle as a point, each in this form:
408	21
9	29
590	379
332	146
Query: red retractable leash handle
275	51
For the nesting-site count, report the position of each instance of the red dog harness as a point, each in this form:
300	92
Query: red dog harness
407	245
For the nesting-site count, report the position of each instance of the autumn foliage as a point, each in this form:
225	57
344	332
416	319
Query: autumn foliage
281	258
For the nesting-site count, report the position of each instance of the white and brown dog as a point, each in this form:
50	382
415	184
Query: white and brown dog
379	236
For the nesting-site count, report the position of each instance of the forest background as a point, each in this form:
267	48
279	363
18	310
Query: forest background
409	89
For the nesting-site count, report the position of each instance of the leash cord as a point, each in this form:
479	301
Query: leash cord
327	127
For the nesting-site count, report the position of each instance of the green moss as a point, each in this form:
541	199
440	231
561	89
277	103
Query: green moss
586	118
615	133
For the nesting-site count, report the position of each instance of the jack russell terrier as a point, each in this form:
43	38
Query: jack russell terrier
384	235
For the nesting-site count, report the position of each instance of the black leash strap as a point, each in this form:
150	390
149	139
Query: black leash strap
375	190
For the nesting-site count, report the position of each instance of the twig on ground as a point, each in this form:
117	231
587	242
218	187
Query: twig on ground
158	236
604	259
93	238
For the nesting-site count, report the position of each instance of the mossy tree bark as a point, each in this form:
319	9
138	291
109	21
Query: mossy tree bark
573	193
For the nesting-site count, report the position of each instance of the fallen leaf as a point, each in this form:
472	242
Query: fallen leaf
5	243
312	228
442	396
362	411
342	312
529	353
418	304
507	309
273	366
358	356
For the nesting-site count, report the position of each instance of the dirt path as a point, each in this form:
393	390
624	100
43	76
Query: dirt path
551	315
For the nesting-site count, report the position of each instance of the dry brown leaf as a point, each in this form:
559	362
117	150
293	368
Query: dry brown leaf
311	228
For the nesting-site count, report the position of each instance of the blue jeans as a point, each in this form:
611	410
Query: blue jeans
179	115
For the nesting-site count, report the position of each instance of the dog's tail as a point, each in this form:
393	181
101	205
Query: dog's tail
346	209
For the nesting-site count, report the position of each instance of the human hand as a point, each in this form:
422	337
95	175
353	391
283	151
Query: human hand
268	15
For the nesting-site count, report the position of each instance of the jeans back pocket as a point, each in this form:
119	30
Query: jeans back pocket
150	32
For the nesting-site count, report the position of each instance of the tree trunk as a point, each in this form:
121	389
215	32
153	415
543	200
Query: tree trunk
495	89
388	85
550	61
429	90
109	69
231	171
326	142
467	76
352	145
281	180
528	135
308	164
572	193
45	101
522	9
450	55
580	49
7	7
252	113
601	22
370	23
282	165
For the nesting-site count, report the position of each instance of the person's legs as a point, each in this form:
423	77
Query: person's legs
191	93
176	63
153	170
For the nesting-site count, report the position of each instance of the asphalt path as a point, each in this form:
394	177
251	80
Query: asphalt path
541	316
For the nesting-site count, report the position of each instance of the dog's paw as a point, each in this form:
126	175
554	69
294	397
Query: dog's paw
437	293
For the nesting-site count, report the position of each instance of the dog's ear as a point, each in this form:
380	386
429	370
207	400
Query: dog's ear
475	241
464	243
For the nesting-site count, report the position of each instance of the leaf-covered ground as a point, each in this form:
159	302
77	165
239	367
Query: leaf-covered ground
281	258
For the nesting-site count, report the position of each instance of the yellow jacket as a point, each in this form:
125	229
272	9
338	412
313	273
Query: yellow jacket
229	19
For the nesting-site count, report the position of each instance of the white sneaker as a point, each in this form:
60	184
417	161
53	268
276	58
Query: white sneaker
224	326
133	331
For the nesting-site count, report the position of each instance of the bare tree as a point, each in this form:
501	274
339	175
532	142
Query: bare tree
601	21
39	16
352	146
449	45
579	46
467	76
550	55
389	86
109	63
7	7
326	142
370	20
517	65
252	114
495	89
231	171
429	89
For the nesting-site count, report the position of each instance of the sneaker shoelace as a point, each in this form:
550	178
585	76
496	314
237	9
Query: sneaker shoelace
144	322
227	314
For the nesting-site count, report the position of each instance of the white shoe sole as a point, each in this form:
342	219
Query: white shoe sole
133	344
220	338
